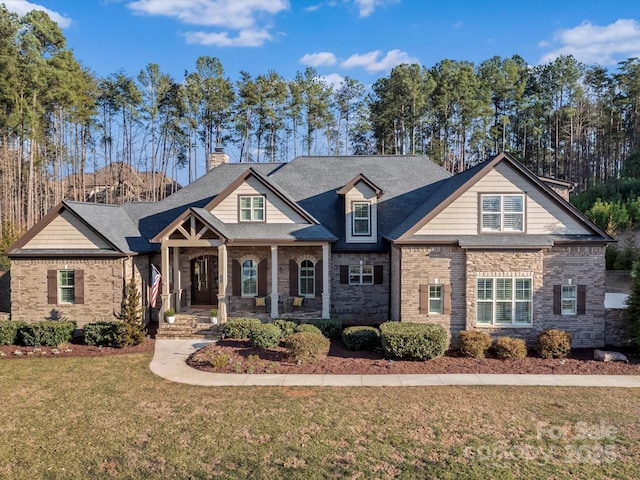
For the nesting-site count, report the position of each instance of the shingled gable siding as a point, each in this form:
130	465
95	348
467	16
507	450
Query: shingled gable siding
419	267
103	288
360	303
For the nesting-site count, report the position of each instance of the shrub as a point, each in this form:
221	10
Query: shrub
220	360
9	332
100	333
128	334
330	328
265	335
48	333
554	344
240	327
287	327
474	343
307	327
507	348
420	341
306	346
361	338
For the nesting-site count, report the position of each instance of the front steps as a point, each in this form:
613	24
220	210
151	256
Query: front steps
194	325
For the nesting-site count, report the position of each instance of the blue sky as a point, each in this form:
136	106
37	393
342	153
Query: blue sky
363	39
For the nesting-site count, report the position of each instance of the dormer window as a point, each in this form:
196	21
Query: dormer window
361	218
502	213
252	208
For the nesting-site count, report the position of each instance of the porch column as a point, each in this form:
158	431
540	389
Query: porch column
164	267
326	295
222	283
274	281
177	288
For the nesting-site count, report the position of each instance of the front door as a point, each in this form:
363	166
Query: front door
204	280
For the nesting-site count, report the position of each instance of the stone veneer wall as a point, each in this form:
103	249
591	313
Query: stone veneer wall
615	328
103	289
422	266
584	265
363	304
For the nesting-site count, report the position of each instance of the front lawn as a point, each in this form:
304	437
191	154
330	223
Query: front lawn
109	417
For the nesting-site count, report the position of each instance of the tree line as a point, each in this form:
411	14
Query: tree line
58	120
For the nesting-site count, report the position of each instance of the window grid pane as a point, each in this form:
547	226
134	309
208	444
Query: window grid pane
66	286
307	278
510	302
569	299
249	278
502	213
435	299
361	217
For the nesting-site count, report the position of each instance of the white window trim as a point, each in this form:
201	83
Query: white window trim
573	299
253	209
313	278
242	278
62	288
358	277
501	212
514	302
354	218
440	288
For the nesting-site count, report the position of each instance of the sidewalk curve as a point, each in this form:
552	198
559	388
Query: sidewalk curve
169	361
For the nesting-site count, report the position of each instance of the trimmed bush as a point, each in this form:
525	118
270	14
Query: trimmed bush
330	328
419	341
49	333
220	360
100	333
474	343
554	344
507	348
265	335
9	332
307	327
286	326
361	338
240	327
306	346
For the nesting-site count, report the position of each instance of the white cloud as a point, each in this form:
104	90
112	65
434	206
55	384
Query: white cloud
372	62
318	59
250	18
334	80
22	7
367	7
594	44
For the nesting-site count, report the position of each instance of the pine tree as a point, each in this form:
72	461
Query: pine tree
632	313
132	331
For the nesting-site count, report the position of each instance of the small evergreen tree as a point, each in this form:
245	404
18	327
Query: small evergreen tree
632	313
131	331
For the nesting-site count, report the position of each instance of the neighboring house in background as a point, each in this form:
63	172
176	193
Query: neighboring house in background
117	183
362	238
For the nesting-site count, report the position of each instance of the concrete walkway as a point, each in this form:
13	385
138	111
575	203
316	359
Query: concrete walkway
169	361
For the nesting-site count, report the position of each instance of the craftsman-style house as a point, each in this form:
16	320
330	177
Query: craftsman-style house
361	238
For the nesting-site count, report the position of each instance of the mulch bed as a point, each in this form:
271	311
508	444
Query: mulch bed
72	349
244	359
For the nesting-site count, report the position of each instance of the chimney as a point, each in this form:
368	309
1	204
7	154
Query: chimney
218	157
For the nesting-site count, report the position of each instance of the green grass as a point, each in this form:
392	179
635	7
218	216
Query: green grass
112	418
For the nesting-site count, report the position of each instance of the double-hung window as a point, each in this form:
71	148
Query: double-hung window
249	278
360	274
252	208
66	286
504	301
569	299
502	213
361	218
436	304
306	279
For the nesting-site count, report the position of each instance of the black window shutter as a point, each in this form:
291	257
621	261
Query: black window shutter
52	287
582	300
236	278
293	278
262	278
319	279
557	299
378	274
344	274
78	277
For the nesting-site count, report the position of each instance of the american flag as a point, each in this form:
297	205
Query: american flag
155	285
